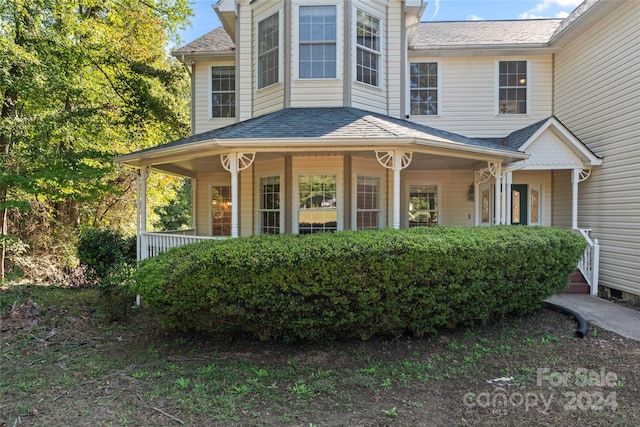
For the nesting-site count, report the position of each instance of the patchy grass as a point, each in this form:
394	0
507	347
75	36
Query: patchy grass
62	362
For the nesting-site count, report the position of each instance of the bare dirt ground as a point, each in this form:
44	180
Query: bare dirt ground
63	362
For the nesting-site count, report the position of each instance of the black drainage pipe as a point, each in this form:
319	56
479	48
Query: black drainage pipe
583	327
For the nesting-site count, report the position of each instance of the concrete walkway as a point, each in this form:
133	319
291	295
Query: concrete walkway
602	313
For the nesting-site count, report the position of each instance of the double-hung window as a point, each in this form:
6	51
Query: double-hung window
368	49
269	205
268	51
424	88
223	91
368	203
512	87
317	42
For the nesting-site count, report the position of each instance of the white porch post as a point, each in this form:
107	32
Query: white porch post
234	163
506	207
141	217
497	199
395	160
577	176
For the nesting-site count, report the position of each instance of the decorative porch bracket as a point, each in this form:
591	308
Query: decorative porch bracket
481	176
577	176
395	160
234	163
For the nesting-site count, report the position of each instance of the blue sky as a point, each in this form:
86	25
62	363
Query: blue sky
206	20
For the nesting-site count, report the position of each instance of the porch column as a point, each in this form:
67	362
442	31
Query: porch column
395	160
577	176
495	169
141	212
234	163
506	206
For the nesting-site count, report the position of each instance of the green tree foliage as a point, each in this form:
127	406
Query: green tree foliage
81	82
176	214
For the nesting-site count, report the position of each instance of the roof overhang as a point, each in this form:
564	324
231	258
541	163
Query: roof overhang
226	11
571	142
164	158
484	50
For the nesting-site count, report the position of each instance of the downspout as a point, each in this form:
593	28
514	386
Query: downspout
190	69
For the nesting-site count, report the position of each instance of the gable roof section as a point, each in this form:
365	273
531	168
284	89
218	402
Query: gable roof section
342	125
484	34
214	41
551	146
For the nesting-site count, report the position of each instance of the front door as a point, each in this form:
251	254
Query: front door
519	213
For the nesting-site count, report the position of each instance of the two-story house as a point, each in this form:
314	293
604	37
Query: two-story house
320	115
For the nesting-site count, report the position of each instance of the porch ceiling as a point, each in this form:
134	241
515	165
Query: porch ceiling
421	161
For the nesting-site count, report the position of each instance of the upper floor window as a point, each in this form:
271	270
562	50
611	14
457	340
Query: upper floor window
317	42
424	88
368	49
268	50
223	91
512	87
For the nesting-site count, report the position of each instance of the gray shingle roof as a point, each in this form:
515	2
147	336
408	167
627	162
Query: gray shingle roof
575	15
343	122
517	138
214	41
456	34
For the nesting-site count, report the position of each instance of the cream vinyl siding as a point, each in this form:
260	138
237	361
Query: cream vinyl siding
395	57
597	89
202	99
467	95
561	199
364	96
454	206
244	62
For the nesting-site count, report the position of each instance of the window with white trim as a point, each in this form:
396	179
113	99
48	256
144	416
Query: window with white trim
223	91
317	207
423	205
268	50
512	87
368	203
368	49
269	210
317	50
424	88
221	210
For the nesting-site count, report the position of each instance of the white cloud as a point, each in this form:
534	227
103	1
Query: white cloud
545	5
475	18
436	5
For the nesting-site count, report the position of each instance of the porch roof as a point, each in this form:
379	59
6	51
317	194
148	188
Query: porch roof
342	128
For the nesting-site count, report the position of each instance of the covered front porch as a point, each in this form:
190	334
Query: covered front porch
363	171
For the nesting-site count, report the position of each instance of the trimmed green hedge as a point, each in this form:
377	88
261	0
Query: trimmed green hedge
329	285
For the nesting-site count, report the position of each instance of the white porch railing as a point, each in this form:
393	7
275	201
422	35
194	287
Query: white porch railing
152	244
590	262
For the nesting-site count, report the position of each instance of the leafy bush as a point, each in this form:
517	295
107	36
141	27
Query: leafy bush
102	250
329	285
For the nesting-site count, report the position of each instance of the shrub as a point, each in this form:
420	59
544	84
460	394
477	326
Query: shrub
329	285
103	250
